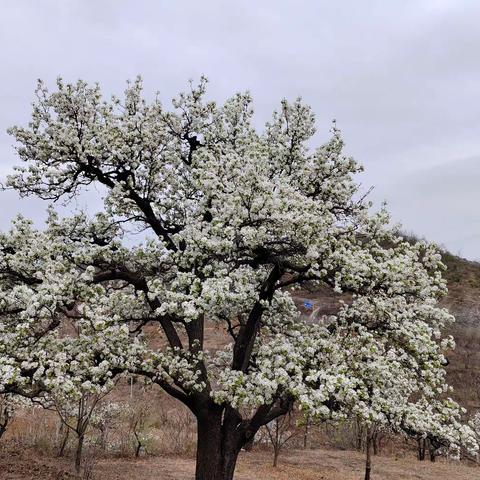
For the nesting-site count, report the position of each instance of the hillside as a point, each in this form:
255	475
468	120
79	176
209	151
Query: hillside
463	301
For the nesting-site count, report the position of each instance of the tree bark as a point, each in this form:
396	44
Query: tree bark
63	445
276	451
139	443
368	463
248	447
218	446
432	451
78	454
359	435
421	449
137	450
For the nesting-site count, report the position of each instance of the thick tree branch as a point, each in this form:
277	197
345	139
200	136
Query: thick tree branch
245	341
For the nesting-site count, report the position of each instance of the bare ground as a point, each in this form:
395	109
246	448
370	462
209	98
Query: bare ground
294	465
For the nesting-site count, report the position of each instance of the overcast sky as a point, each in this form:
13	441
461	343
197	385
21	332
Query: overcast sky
400	77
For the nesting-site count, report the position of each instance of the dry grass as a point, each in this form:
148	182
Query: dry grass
349	465
318	464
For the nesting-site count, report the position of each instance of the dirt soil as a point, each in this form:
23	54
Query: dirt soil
294	465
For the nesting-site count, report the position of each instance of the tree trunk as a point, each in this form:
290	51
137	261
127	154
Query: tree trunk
276	451
139	444
432	451
78	454
61	450
217	447
368	463
375	443
421	449
103	438
359	434
248	447
137	450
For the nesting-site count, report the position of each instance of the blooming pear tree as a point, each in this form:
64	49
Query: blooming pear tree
52	342
234	219
405	393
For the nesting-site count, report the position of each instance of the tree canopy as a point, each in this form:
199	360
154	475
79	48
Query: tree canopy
234	220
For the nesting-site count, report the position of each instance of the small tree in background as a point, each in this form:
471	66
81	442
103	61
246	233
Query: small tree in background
280	431
76	413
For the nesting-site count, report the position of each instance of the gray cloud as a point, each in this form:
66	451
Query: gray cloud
400	77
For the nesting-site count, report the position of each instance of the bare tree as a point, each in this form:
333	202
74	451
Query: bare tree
280	431
76	417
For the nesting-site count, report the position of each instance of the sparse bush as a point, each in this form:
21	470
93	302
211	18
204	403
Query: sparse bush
107	417
280	431
76	415
175	432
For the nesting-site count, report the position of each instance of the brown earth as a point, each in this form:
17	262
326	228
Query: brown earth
318	464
